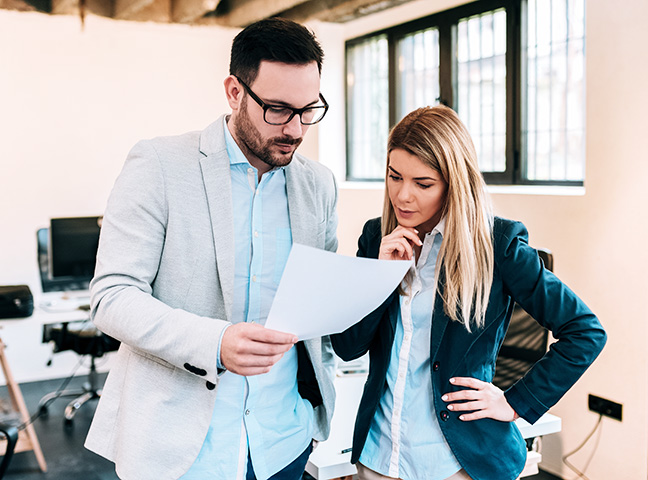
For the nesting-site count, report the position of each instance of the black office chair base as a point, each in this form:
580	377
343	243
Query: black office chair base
90	391
78	402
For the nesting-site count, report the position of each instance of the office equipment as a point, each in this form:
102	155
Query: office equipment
27	439
67	253
66	258
16	301
83	338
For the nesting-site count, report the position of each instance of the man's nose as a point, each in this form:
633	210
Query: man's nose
293	128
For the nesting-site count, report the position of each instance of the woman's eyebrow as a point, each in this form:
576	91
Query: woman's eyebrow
416	178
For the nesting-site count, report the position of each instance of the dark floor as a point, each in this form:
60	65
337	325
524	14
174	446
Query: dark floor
62	444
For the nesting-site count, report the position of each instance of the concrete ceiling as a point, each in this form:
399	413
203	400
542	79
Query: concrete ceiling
232	13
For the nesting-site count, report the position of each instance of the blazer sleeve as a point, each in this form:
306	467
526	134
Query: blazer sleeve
128	261
355	340
579	334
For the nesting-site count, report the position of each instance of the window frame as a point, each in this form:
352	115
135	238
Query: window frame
446	22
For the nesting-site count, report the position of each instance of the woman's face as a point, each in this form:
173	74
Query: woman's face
416	191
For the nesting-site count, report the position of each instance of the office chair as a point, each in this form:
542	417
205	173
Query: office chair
81	337
10	433
525	342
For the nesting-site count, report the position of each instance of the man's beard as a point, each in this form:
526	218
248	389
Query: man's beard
253	142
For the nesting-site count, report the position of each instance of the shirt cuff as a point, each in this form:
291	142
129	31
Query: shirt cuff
219	365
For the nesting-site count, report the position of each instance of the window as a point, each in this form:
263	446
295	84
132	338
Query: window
512	69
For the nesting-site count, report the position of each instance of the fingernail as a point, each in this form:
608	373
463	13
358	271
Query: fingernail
461	417
452	380
444	398
450	407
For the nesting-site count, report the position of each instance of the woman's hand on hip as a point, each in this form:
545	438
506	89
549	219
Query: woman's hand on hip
481	400
398	244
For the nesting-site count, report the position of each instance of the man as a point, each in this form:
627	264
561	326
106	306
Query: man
195	237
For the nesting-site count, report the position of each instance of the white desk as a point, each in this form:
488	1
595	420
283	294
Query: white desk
28	356
327	460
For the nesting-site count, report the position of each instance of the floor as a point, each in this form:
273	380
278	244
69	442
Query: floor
62	444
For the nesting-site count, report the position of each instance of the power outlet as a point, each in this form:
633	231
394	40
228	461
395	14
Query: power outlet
605	407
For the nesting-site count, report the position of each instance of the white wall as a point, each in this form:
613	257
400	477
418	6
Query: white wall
72	104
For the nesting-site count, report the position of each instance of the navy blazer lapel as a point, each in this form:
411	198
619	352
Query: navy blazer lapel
300	190
215	167
439	319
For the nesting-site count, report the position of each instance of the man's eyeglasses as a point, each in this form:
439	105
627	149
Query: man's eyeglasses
281	115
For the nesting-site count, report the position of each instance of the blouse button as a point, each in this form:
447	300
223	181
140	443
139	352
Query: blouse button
435	366
445	416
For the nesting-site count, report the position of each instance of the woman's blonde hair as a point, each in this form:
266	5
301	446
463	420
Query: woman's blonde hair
440	140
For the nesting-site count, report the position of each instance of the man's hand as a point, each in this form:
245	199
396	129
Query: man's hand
251	349
484	400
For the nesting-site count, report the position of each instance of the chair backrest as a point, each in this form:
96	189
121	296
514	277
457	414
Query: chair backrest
525	342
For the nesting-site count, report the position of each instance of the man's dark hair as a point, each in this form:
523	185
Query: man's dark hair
275	40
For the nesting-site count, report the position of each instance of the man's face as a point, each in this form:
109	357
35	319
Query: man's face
267	146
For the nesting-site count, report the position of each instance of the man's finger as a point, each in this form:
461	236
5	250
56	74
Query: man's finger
266	335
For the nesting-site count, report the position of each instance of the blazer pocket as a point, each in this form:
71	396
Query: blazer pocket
153	358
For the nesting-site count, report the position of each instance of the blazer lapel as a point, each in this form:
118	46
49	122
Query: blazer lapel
301	208
215	167
439	319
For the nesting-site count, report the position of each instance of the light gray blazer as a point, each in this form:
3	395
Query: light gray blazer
164	286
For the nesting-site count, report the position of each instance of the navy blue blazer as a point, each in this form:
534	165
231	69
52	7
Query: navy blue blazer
487	449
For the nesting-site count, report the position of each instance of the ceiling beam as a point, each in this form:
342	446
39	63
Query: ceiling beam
188	11
338	10
241	13
19	5
143	10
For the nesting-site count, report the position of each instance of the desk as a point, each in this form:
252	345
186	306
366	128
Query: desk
28	356
327	460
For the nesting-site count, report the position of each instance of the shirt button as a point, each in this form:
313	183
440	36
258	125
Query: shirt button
210	386
435	366
250	170
256	234
445	416
247	412
254	278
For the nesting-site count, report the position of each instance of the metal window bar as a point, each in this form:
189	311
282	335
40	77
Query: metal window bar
553	147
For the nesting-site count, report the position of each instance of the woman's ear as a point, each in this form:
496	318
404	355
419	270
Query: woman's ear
233	92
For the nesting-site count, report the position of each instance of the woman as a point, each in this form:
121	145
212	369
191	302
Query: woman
429	410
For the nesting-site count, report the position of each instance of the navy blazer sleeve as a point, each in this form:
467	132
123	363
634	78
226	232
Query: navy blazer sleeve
580	336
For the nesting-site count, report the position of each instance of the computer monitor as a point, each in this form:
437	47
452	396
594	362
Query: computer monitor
72	251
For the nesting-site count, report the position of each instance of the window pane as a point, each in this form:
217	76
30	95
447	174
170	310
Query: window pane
367	108
481	85
553	134
417	83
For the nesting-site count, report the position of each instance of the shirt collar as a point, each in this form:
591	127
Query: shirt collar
440	228
233	151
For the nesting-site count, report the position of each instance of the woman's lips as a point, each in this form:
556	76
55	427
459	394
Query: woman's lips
405	213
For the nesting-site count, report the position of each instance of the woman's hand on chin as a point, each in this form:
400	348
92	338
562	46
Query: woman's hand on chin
398	244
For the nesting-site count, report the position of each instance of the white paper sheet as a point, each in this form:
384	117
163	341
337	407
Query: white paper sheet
321	292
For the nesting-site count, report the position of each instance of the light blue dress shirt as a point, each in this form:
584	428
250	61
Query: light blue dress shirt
405	440
262	414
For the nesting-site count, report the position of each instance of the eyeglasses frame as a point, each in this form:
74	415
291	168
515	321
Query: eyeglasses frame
295	111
